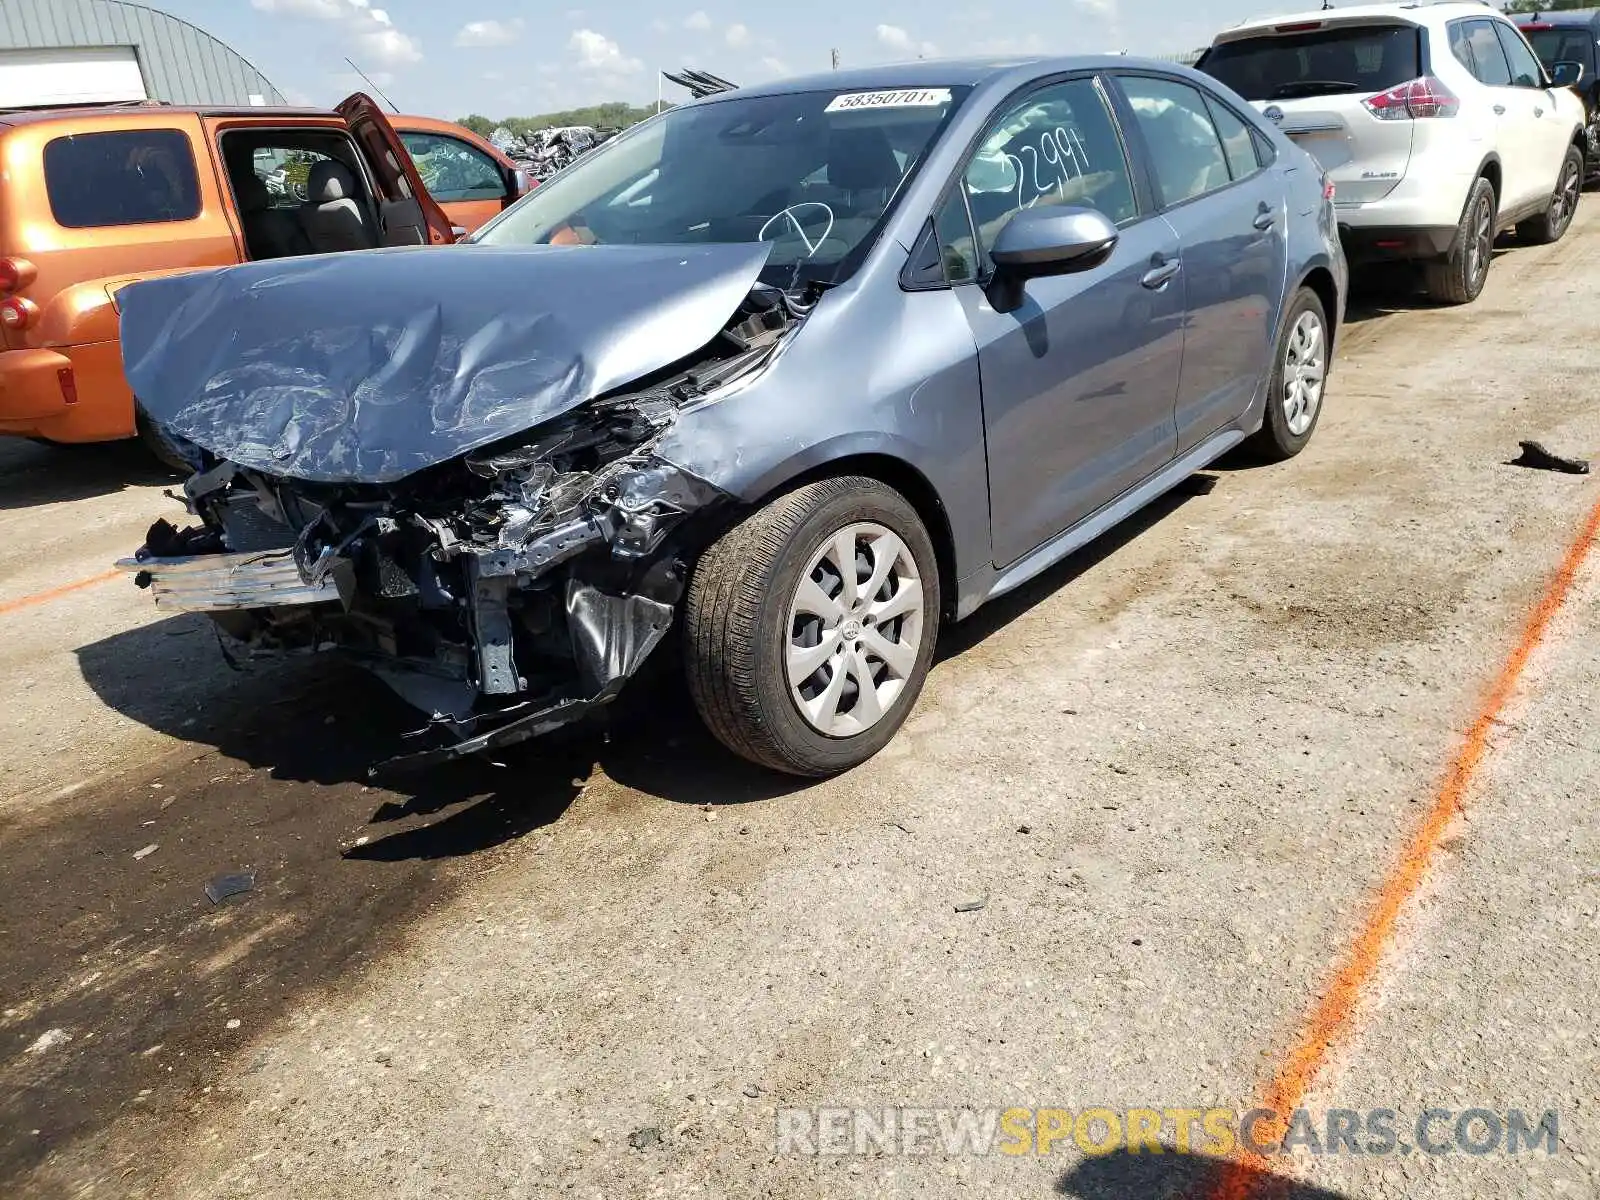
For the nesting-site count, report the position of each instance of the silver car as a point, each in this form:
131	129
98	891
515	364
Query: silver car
804	371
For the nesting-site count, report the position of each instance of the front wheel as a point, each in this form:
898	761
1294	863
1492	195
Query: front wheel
1552	224
810	626
1299	376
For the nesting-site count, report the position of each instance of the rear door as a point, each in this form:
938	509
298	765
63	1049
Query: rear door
410	217
1314	77
1476	46
1230	215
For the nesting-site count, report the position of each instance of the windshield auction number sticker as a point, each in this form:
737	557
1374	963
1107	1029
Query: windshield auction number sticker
908	98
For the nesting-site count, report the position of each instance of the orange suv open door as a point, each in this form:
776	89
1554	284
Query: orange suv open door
410	216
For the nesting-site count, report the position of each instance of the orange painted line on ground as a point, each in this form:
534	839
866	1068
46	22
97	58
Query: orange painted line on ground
1331	1019
55	593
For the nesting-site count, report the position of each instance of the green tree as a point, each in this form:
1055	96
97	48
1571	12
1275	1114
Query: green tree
481	126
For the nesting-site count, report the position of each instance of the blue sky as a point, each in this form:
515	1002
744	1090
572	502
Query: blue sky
509	57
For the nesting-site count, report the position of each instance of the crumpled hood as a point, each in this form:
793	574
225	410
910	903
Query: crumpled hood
369	366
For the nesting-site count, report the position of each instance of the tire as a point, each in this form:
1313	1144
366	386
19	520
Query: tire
1459	279
743	618
161	447
1300	356
1552	224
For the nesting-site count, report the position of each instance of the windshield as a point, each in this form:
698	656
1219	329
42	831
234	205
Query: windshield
814	173
1347	60
1555	44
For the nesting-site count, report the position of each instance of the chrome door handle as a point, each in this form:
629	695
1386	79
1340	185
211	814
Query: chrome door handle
1499	110
1264	220
1159	276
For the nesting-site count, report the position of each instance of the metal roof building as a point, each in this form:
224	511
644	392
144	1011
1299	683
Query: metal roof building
58	52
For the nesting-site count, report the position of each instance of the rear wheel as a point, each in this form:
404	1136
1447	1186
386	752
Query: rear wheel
1459	279
810	626
1553	223
1299	375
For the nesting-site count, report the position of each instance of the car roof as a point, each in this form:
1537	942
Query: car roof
110	113
1569	16
943	72
1416	12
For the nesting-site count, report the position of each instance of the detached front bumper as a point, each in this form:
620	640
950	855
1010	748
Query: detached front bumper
223	582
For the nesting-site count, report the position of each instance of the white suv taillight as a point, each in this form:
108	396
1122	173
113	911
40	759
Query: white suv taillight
1425	97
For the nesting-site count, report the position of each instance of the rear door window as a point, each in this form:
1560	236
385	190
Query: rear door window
1238	142
126	177
1345	60
1185	149
1478	50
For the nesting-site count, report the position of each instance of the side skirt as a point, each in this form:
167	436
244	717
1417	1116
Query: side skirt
1035	562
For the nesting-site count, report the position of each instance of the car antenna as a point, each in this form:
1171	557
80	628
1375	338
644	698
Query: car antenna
373	86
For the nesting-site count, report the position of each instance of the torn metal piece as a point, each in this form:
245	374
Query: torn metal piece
611	635
1538	458
224	886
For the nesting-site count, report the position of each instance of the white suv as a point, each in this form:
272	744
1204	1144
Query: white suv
1435	122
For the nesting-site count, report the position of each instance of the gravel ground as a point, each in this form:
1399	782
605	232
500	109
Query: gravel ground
1173	770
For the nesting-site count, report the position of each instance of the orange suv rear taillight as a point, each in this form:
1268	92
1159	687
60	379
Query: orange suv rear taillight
16	274
17	312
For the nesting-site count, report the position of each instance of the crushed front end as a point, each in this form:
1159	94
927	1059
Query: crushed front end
506	591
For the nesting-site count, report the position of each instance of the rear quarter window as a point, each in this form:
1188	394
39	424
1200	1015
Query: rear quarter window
1351	60
126	177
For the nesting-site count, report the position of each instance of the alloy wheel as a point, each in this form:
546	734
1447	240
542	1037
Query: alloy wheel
1305	370
855	630
1565	202
1480	245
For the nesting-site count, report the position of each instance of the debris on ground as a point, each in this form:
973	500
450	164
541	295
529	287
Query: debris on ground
49	1039
645	1139
967	906
145	851
1024	828
223	886
1536	457
752	1090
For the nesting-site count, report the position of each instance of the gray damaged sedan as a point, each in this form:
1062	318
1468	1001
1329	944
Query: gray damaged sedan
806	370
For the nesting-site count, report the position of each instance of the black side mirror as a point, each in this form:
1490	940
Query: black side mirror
1046	241
1566	73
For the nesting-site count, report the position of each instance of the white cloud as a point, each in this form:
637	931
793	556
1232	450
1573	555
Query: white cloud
1106	9
596	52
697	21
737	35
370	31
389	46
776	66
898	41
479	34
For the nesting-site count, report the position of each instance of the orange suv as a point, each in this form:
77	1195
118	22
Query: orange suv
95	199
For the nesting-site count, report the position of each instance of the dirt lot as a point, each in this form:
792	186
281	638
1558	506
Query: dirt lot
1178	770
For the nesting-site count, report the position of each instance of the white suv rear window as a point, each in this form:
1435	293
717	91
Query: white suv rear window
1347	60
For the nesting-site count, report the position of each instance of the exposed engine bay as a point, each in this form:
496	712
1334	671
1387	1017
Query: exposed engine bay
505	591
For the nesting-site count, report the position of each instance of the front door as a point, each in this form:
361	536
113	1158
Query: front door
1230	215
409	216
1078	382
1549	130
